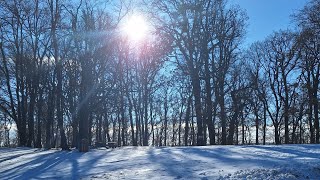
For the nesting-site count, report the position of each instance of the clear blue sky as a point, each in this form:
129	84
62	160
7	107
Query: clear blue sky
266	16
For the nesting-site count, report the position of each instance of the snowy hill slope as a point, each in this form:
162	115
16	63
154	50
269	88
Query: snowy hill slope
209	162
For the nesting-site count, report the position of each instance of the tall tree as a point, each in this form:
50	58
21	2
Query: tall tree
308	20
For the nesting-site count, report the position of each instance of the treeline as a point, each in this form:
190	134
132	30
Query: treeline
68	73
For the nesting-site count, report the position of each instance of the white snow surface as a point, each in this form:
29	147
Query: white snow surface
208	162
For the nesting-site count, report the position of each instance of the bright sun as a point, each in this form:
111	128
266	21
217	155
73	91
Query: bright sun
136	28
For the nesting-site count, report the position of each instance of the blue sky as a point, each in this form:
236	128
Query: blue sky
266	16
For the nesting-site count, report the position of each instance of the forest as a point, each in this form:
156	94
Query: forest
68	73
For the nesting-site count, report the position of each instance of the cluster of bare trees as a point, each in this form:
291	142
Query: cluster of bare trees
67	73
285	72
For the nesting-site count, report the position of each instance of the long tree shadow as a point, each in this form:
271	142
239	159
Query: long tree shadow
190	162
230	158
54	165
11	157
265	159
10	150
172	164
302	151
30	168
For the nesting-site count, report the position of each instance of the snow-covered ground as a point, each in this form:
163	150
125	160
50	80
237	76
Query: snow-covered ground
209	162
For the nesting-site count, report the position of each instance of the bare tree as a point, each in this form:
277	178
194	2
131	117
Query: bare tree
308	20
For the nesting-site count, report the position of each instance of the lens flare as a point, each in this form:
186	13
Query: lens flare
136	28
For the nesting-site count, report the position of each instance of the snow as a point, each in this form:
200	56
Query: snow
208	162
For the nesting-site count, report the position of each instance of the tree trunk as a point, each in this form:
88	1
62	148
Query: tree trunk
223	118
31	116
39	120
186	129
60	104
50	118
165	119
311	124
316	112
286	111
276	134
264	124
134	140
243	130
23	124
209	105
257	127
124	129
236	109
196	89
145	103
